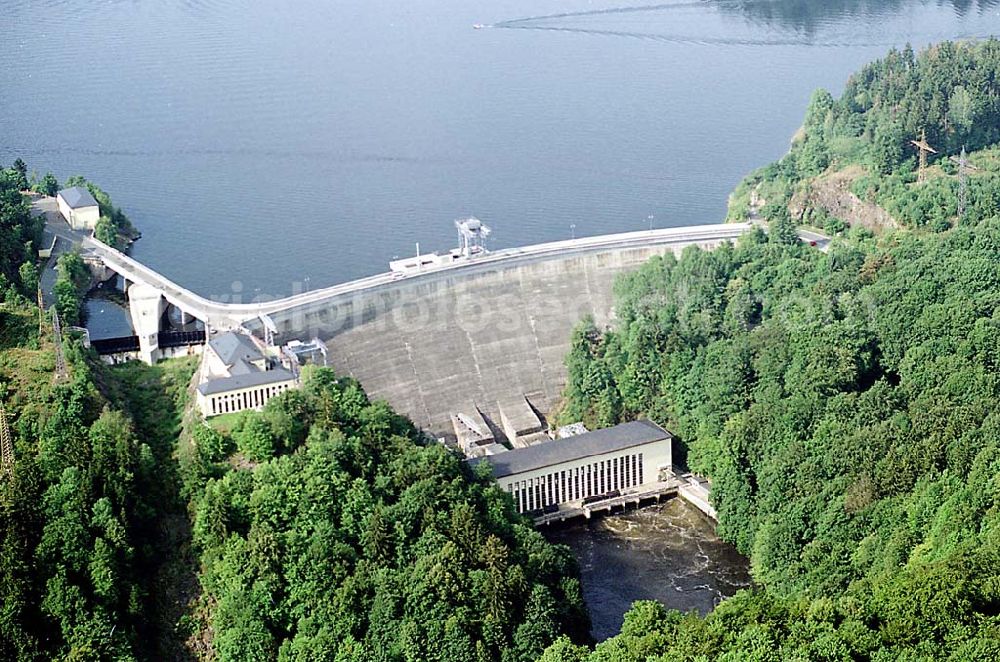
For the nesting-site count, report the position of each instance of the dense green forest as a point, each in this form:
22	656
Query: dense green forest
20	237
79	508
336	532
843	403
950	93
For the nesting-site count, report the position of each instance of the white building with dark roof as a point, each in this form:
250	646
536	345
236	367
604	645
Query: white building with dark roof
78	207
584	467
238	374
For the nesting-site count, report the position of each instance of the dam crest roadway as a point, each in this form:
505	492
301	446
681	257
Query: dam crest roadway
224	315
437	339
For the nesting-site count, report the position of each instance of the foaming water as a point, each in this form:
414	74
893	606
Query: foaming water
667	552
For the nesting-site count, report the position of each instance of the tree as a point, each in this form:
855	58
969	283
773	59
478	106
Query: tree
106	232
812	156
29	276
820	108
21	175
887	149
71	284
68	302
48	185
564	650
961	112
254	437
211	445
782	230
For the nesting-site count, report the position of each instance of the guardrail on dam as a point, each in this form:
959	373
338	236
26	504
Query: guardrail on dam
490	329
443	338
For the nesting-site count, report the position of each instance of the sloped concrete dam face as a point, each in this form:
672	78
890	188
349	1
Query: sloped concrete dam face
435	344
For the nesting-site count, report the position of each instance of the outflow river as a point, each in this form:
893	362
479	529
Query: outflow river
667	552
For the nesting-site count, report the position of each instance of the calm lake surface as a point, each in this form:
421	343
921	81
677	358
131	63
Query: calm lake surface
256	144
264	147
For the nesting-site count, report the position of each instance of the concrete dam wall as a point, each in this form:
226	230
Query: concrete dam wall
443	342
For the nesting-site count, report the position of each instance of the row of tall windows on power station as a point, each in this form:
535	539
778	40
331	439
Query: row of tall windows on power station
258	397
566	485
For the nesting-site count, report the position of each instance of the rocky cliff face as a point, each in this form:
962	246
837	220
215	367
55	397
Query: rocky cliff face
832	192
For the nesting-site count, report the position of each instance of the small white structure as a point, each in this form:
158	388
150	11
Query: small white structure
571	430
48	245
472	235
423	261
237	374
79	208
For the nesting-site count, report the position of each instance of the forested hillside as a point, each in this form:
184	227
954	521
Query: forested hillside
843	403
856	150
342	535
80	508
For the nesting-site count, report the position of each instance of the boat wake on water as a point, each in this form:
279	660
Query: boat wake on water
697	41
790	33
599	12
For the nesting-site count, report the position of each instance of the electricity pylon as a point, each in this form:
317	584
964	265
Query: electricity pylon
6	446
925	149
963	182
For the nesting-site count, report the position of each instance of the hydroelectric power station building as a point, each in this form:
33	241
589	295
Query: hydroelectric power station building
584	467
237	373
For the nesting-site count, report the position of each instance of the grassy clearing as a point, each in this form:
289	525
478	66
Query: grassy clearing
26	366
158	397
225	423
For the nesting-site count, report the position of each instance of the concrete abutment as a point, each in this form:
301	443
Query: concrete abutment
146	307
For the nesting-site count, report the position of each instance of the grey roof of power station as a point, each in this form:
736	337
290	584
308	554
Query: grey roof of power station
77	197
598	442
245	381
235	347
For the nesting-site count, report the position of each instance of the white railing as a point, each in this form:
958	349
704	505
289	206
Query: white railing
202	307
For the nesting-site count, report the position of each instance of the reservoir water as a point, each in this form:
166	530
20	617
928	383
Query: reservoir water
257	144
266	147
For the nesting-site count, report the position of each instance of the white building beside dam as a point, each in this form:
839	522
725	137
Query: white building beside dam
79	208
237	374
584	468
